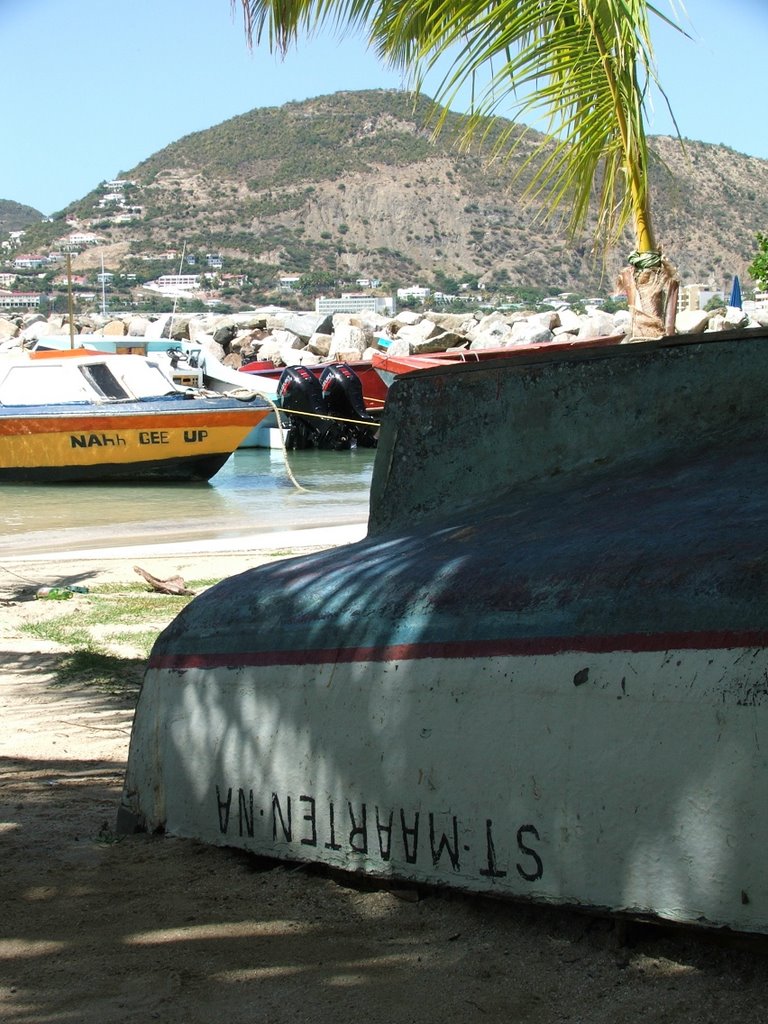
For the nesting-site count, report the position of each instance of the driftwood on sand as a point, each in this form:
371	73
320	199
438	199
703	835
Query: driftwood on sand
173	585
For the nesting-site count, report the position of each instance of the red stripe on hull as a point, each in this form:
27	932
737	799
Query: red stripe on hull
86	422
524	647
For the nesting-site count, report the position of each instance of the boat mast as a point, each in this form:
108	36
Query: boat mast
176	296
103	290
70	307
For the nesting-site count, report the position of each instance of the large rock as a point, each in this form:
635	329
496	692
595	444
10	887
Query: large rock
374	324
304	357
493	331
407	317
249	320
304	325
320	344
531	332
114	329
138	326
287	339
570	321
32	318
735	318
269	351
177	328
597	325
547	320
37	330
622	321
207	344
196	328
424	336
348	342
8	329
457	323
225	334
399	347
692	321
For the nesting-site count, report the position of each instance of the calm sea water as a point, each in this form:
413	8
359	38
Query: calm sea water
253	493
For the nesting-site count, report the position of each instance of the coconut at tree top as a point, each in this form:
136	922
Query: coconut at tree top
585	68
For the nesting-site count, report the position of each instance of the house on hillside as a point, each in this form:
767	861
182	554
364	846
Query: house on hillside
175	284
29	262
414	291
288	282
78	238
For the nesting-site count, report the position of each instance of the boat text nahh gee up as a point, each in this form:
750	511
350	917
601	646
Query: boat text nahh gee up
74	415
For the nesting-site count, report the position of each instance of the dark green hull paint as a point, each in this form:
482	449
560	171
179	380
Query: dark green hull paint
187	469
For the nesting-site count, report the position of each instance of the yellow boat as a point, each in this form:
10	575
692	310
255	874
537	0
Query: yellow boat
88	416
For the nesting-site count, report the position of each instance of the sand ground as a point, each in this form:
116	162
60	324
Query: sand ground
96	928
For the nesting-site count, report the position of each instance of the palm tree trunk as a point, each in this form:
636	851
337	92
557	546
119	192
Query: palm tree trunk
651	285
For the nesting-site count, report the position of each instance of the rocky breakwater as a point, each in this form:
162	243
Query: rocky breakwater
286	338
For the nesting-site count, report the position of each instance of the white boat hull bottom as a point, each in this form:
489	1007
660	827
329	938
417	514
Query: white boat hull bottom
629	781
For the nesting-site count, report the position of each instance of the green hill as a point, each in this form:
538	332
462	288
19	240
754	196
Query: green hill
354	185
16	217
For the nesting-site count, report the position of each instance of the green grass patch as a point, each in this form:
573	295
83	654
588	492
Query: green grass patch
108	673
109	633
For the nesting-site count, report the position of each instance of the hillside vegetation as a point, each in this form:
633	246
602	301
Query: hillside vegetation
354	184
16	216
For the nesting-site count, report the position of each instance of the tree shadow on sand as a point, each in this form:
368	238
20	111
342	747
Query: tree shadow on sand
110	676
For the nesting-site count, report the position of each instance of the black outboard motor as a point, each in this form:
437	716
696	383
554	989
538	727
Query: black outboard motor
299	391
343	396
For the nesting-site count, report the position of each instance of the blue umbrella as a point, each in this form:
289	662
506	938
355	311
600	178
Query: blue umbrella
735	300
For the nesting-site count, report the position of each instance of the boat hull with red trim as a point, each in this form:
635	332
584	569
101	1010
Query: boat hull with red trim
553	686
388	364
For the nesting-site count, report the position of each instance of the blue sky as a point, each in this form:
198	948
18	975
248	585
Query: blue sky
93	88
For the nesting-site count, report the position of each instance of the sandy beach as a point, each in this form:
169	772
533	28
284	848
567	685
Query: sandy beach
99	928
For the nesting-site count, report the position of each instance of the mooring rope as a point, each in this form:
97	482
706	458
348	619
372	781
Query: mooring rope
644	260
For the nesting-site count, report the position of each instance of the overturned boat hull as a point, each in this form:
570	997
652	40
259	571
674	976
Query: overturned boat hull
543	674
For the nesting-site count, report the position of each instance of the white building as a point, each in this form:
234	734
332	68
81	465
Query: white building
288	282
82	238
20	300
695	296
175	284
355	304
415	291
29	262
